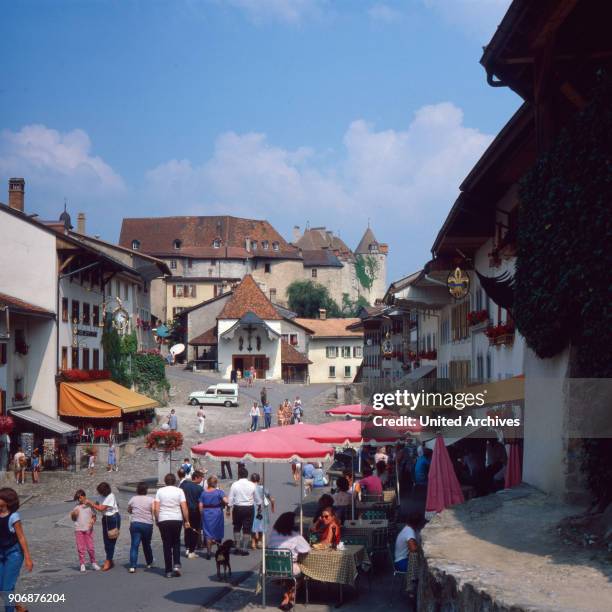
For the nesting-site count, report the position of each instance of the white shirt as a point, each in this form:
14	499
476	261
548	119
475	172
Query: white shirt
381	457
401	544
255	411
295	543
169	499
111	502
244	493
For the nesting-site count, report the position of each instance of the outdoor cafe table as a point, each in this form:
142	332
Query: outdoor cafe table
364	529
336	566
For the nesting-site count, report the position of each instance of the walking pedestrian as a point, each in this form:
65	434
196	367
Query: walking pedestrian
173	420
261	520
253	376
84	519
212	502
247	377
170	509
226	466
267	413
254	413
243	498
234	376
297	411
193	491
14	549
19	465
200	416
111	521
140	509
263	396
112	458
35	466
91	463
187	467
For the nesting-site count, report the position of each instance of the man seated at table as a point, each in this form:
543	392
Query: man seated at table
284	536
327	529
408	540
370	483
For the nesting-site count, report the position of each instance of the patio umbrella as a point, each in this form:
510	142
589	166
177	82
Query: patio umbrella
443	488
356	411
267	446
513	469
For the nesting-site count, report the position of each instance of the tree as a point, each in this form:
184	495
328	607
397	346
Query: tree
351	308
306	298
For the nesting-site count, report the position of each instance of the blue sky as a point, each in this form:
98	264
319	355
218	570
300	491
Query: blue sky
297	111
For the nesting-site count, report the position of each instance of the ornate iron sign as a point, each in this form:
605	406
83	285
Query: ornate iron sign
458	283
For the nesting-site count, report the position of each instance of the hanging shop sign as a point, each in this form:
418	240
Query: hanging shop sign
458	283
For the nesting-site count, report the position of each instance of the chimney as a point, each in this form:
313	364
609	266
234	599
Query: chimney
16	193
322	314
81	223
297	234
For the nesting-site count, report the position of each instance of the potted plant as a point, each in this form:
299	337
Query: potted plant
164	440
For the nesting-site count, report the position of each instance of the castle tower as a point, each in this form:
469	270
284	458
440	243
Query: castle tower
374	255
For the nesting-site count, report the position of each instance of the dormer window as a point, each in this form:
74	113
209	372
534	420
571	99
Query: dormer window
254	245
275	246
265	245
177	244
216	243
136	245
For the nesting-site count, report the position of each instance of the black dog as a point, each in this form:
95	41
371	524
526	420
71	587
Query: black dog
222	557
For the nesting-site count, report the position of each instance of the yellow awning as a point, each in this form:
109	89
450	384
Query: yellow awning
100	399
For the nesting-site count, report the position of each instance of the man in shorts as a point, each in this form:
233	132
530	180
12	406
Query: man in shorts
243	498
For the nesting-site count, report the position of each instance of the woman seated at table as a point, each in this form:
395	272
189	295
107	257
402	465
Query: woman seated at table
284	536
342	499
408	540
325	500
327	528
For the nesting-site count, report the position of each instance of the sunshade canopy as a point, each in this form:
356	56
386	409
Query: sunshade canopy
100	399
357	410
264	445
443	488
42	420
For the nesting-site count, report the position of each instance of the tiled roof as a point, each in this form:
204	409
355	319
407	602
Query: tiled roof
291	356
208	338
198	234
16	305
248	297
321	258
367	239
318	238
331	328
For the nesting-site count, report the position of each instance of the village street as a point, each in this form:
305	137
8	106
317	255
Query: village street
50	531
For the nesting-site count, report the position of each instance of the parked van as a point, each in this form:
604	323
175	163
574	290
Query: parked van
223	393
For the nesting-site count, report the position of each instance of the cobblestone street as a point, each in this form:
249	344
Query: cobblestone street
45	506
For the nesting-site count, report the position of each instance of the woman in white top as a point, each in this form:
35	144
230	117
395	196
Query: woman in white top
284	536
254	413
111	521
171	512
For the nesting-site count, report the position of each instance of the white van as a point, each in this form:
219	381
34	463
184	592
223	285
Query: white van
223	393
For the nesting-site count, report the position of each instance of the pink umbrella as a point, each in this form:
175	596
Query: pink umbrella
513	469
357	410
443	488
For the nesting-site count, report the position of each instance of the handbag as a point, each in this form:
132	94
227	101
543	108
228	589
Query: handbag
113	533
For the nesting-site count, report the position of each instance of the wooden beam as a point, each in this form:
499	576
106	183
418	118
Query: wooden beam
573	95
67	262
554	22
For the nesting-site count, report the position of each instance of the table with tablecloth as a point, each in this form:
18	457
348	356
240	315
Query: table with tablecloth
337	566
365	529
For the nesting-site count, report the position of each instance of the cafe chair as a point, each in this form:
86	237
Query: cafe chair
372	497
279	566
374	515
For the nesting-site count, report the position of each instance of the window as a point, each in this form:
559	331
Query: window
177	311
190	263
65	310
488	367
357	352
86	317
285	337
273	295
96	360
86	359
331	352
267	268
347	371
3	357
64	362
76	311
216	243
265	245
75	358
118	288
96	315
346	352
313	273
275	246
459	324
177	244
332	371
136	245
254	244
173	264
293	339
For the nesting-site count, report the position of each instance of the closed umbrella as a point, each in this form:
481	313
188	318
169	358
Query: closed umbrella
266	446
513	469
443	489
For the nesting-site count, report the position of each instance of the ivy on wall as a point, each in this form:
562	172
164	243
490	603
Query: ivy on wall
366	269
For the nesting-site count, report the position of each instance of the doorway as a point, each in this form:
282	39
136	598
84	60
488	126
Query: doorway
260	362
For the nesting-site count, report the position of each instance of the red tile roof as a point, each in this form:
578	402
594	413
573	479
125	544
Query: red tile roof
16	305
248	297
198	234
331	328
291	356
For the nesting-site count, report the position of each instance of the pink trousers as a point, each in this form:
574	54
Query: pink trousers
85	542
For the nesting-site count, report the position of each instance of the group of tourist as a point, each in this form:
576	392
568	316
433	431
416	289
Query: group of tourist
287	414
290	413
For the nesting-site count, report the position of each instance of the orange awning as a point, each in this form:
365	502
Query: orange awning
100	399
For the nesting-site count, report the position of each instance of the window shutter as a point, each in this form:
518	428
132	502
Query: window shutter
173	290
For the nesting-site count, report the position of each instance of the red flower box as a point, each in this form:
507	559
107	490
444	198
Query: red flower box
165	440
477	316
85	375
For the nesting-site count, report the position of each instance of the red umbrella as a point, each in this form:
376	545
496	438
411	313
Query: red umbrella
443	488
357	410
513	469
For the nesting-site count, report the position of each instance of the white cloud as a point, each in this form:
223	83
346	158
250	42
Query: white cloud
286	11
477	18
384	13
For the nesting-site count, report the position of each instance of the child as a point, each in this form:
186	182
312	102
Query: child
91	464
35	466
187	467
84	518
